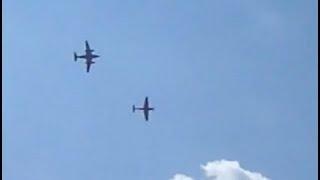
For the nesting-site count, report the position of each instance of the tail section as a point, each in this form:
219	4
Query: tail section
133	108
75	56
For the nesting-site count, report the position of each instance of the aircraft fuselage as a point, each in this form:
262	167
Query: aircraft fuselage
89	56
145	109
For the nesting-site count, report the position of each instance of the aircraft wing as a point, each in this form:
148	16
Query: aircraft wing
88	67
146	103
146	114
87	46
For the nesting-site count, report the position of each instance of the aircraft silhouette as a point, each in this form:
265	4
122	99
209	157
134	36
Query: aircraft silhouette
88	56
145	109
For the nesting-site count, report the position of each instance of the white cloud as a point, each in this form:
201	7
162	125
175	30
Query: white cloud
224	170
229	170
181	177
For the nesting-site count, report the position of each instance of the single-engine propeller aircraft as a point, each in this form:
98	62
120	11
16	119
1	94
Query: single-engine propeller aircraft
88	56
145	109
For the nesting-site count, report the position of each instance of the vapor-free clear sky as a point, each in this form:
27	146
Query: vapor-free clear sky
234	80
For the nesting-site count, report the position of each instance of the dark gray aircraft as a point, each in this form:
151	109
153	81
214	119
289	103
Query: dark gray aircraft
88	56
145	109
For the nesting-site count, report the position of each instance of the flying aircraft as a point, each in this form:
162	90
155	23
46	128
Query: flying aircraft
145	109
88	56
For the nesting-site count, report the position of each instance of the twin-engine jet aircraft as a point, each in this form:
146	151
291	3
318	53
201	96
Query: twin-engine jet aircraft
88	56
145	109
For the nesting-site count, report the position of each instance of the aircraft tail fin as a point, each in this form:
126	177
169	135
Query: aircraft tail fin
133	108
75	56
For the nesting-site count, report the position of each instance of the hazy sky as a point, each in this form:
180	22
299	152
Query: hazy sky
233	82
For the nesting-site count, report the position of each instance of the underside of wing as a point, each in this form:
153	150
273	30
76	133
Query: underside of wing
88	67
146	114
87	46
146	103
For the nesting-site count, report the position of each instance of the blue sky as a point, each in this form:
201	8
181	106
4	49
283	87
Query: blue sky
233	80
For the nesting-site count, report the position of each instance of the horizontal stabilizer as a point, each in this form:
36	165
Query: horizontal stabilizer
133	108
75	56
